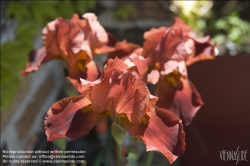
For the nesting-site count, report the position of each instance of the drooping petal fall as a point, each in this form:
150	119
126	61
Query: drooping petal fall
179	96
71	118
36	59
163	133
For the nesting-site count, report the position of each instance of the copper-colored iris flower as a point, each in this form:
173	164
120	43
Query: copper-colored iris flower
123	94
171	49
74	41
197	48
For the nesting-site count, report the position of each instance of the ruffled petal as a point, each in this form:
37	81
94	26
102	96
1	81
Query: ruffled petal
163	133
98	35
141	65
115	64
185	29
99	93
123	50
120	91
64	38
75	19
202	50
127	95
151	44
171	43
71	118
162	46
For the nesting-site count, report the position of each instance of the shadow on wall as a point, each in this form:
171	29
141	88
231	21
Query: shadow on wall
223	123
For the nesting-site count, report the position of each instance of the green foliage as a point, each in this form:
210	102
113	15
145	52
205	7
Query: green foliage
233	28
12	60
123	12
18	10
84	6
31	17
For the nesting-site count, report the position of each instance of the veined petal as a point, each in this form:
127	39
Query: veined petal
99	93
163	133
172	38
162	46
151	44
120	91
115	64
63	38
141	65
127	95
70	118
98	36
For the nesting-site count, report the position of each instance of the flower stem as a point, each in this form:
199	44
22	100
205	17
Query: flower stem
149	159
119	154
132	158
118	134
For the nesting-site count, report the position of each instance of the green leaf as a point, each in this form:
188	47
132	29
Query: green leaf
44	11
65	9
83	6
26	31
219	39
235	34
60	143
13	59
221	24
234	20
18	10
